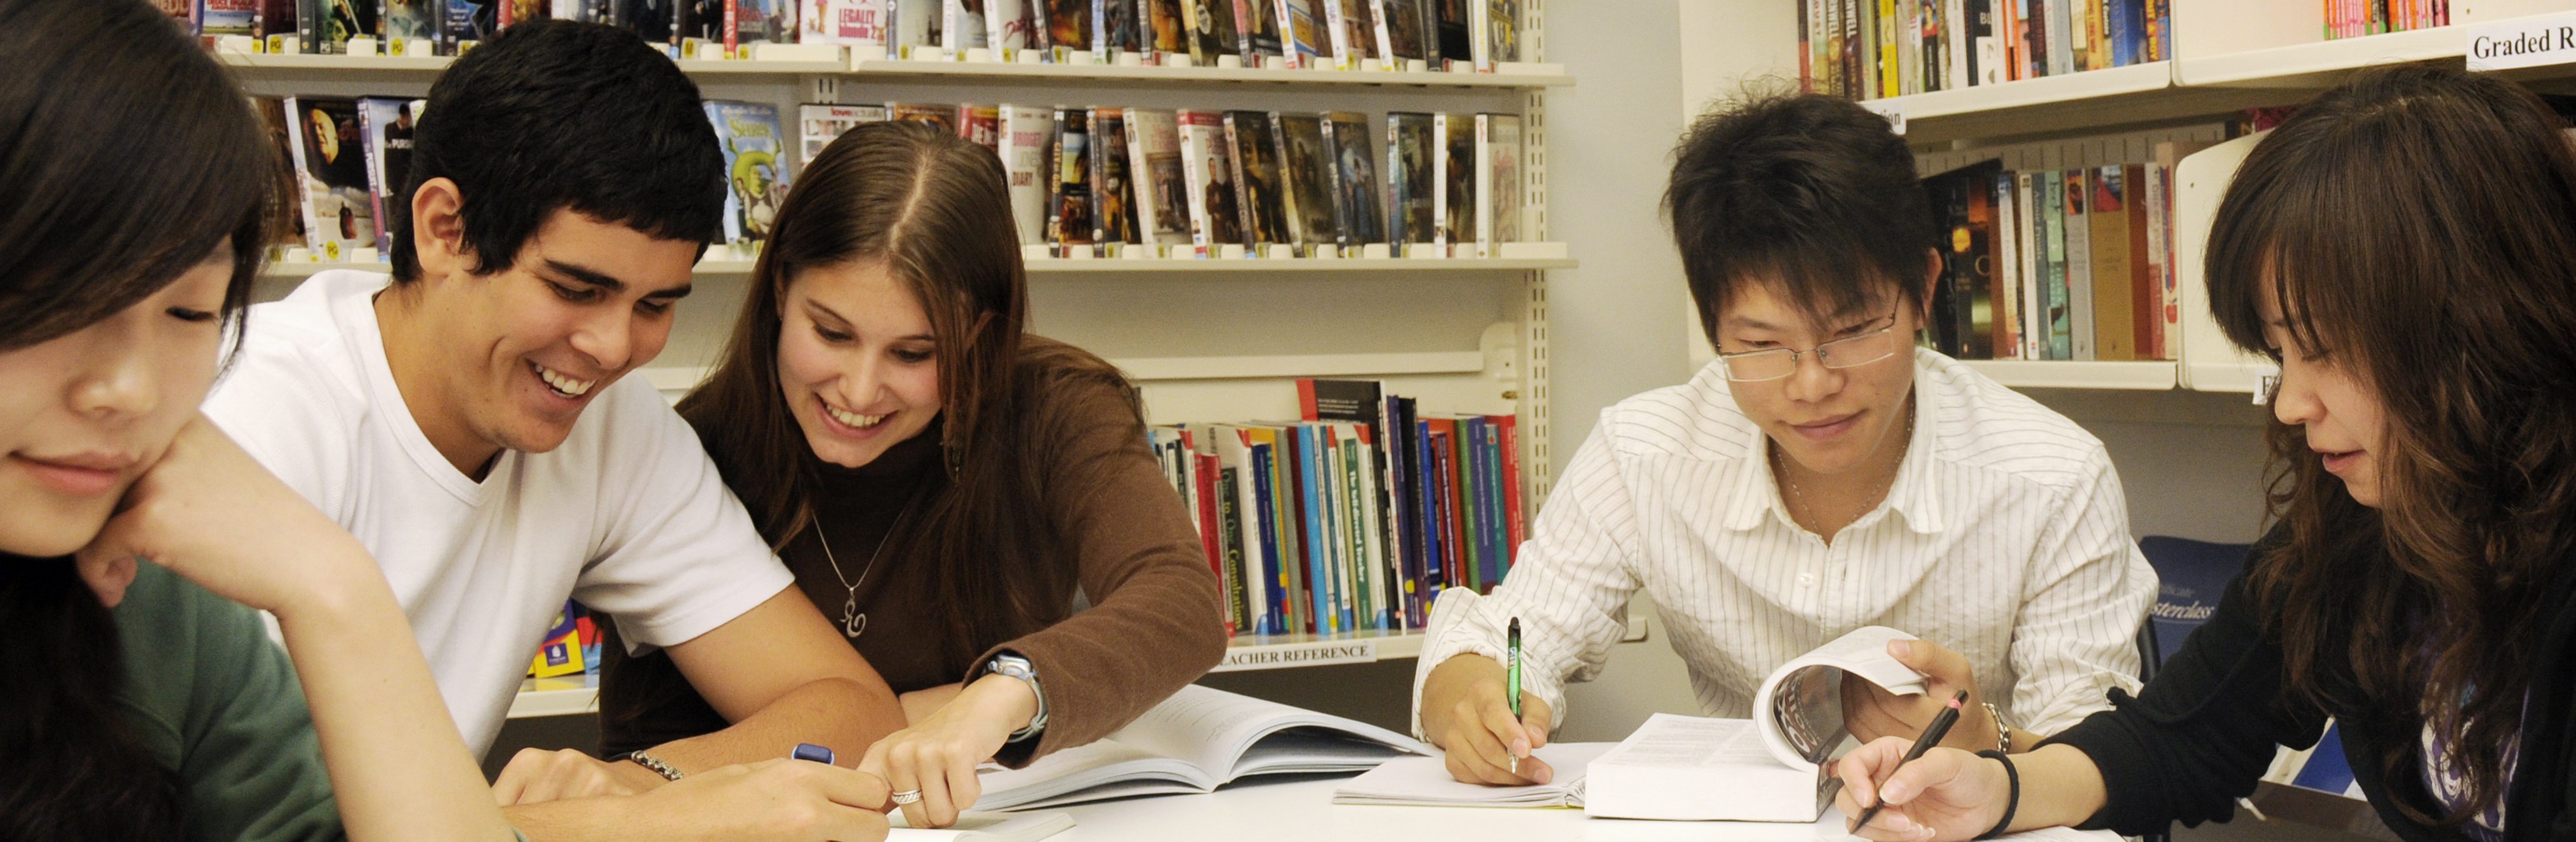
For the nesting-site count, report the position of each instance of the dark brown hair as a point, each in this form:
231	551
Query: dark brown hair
127	158
935	210
2418	228
1811	192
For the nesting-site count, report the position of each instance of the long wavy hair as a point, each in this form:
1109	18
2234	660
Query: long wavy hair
2417	226
127	156
935	209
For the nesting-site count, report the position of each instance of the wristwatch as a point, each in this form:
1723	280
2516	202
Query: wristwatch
2003	730
1013	665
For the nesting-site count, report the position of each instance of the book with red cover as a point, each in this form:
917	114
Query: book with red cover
1507	434
1204	475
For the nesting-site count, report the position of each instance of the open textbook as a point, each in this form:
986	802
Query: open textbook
1769	768
1197	740
976	826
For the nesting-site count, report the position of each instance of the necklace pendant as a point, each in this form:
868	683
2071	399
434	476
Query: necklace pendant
853	623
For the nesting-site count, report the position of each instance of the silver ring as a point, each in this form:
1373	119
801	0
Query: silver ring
909	796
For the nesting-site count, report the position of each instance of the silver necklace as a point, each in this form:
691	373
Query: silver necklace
1779	466
854	623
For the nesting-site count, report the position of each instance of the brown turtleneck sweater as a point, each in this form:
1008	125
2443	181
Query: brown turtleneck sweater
1153	624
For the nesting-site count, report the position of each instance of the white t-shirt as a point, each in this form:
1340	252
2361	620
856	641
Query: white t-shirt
629	515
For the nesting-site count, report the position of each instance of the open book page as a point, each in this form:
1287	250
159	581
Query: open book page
1800	706
1425	782
1216	730
984	827
1084	767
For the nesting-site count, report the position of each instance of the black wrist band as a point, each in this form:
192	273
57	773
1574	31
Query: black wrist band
2012	803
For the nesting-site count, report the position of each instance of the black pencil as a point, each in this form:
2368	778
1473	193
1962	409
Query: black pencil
1932	735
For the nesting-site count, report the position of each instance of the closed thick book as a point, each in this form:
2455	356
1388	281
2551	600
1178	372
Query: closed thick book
1358	205
1212	31
1256	27
1069	208
1412	182
2115	330
1454	140
2077	198
331	174
1208	167
755	156
1025	131
388	123
1196	741
818	125
1308	195
1154	166
1257	184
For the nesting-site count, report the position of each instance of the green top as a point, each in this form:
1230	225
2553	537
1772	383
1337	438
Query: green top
211	697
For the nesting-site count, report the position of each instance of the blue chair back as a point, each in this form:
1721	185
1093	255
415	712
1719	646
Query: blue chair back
2190	577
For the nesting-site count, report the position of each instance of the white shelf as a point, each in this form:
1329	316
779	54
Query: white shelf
1524	76
2317	64
1514	77
2046	90
566	696
285	269
2079	374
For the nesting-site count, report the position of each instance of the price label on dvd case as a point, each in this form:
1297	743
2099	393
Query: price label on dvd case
1299	655
1892	108
2537	41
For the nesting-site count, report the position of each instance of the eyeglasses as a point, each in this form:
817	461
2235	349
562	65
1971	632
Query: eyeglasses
1776	363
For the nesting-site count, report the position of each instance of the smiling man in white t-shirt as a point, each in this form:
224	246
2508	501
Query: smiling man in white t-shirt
470	421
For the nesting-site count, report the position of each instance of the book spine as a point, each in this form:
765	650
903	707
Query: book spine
1515	524
1229	522
2007	274
1480	521
1453	514
1367	599
1266	513
1212	532
2146	290
1426	485
1485	186
1297	555
2079	262
2160	246
2114	332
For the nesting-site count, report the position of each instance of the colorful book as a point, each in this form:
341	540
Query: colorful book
1308	196
1498	181
981	125
1257	178
1455	146
2114	327
1209	168
1069	212
387	124
330	161
1357	208
1113	196
1412	180
755	166
1162	190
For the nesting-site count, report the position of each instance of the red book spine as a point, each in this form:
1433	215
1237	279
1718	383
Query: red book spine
1306	400
1209	537
731	29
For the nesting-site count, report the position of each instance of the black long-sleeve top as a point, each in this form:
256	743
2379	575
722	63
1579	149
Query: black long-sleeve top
2203	731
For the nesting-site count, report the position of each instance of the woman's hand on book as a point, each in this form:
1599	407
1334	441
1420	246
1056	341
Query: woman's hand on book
1871	712
1465	713
938	754
1944	796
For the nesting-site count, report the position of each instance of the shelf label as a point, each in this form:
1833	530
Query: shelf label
2267	381
1299	655
2537	41
1892	108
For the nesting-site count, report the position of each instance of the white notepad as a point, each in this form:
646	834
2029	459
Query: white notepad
1425	782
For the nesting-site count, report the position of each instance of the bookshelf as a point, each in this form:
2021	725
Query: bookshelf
2229	56
1220	339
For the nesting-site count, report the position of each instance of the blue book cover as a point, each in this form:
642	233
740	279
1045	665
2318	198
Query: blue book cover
1480	472
1274	616
1405	509
1338	563
1319	551
1435	547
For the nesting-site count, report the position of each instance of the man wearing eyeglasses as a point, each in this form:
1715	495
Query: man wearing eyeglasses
1821	475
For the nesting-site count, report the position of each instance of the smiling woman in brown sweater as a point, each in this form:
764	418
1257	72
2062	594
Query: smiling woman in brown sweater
944	486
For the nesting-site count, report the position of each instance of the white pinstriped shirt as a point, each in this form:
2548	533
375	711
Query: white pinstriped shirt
2005	537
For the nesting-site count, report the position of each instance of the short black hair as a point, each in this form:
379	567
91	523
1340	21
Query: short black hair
1811	193
553	115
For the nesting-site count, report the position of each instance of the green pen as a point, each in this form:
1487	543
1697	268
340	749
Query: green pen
1513	687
